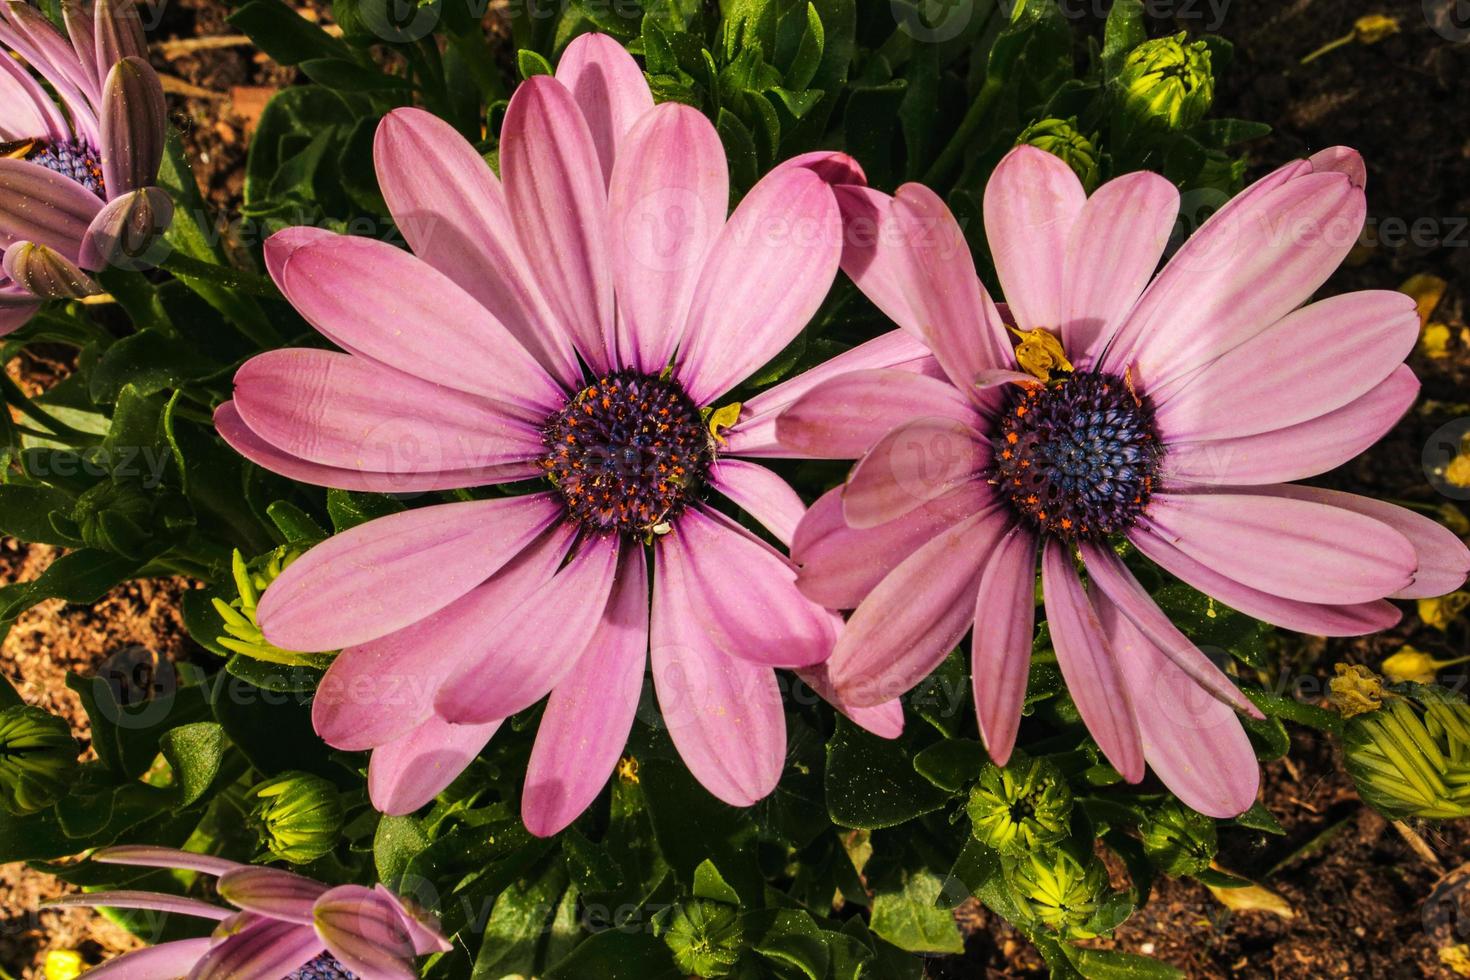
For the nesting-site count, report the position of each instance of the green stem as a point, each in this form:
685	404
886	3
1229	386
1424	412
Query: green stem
1330	46
949	157
246	282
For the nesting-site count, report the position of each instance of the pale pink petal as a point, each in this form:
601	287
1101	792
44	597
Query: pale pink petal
769	271
741	594
1444	560
451	209
884	720
271	892
590	713
917	462
845	416
873	254
558	206
1314	361
173	959
911	621
373	299
1194	743
1296	549
1111	253
383	575
1298	451
608	86
1032	200
833	167
840	565
537	643
233	430
1005	624
150	856
365	932
723	713
352	413
408	772
1089	667
424	929
667	203
147	901
761	494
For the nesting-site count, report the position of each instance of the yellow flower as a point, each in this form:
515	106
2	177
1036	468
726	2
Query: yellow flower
1374	28
1355	690
64	964
1411	664
1441	611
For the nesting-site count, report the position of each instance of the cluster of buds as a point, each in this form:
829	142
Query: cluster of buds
242	628
298	816
1020	807
1167	83
1061	138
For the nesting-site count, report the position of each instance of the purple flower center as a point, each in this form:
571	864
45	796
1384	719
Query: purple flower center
1077	458
73	158
324	967
628	453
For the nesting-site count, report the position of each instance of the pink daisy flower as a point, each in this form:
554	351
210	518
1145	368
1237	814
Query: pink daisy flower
578	324
1177	408
281	925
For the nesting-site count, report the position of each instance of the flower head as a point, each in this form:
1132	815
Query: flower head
281	925
298	815
1186	402
1021	806
1061	139
81	137
1168	82
583	323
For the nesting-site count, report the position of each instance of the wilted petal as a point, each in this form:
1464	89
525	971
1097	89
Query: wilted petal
46	272
148	901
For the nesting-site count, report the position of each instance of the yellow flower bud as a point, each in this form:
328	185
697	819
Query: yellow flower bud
64	964
1411	664
1441	611
1374	28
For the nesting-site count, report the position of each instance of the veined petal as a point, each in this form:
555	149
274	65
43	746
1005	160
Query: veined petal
761	494
1032	201
910	466
272	893
148	901
264	948
884	720
409	771
364	930
846	415
172	959
149	856
609	88
1005	624
41	206
134	127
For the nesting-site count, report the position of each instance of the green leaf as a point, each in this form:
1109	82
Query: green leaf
272	729
709	884
26	512
284	35
794	939
614	955
531	63
150	361
1110	964
951	764
1259	818
906	914
518	923
1214	626
1124	31
349	508
298	527
870	782
194	752
82	576
396	842
809	55
349	76
739	148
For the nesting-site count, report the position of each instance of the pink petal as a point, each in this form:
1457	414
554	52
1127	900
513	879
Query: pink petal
1112	578
372	299
1296	549
1444	560
272	893
364	930
451	209
884	720
1246	268
1005	624
723	713
1298	451
769	271
26	111
1314	361
1304	617
1089	667
608	86
173	959
537	643
843	417
283	244
233	430
590	713
41	206
742	595
840	565
913	619
910	466
666	206
423	927
265	948
558	206
408	772
873	254
1114	247
1031	203
833	167
149	856
761	494
147	901
383	575
1194	743
351	413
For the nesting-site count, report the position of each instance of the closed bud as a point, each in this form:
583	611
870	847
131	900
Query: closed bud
1060	138
1178	840
38	758
1411	758
242	628
298	816
1020	807
1167	82
114	517
705	937
1056	891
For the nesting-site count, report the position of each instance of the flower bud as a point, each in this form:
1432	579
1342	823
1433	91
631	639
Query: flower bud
1020	807
37	759
298	816
1054	889
1178	840
1413	664
705	937
241	625
1355	690
1060	138
1411	758
1167	82
114	517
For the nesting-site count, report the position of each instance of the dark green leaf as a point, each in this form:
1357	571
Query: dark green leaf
871	783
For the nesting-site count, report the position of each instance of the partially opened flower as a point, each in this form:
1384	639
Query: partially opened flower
78	154
1169	414
282	926
578	324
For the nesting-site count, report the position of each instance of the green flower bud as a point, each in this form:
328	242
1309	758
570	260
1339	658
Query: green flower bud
1021	807
37	759
1411	757
298	816
705	937
1168	82
1178	840
1060	138
241	626
1056	891
114	517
